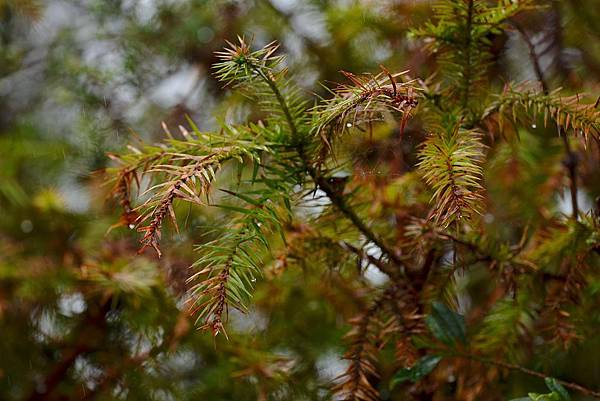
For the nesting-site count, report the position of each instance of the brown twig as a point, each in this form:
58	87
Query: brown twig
340	203
364	255
570	161
530	372
113	374
533	56
86	342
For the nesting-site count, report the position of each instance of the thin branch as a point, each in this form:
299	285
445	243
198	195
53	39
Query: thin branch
468	56
533	56
423	272
485	256
86	342
340	202
58	373
364	255
336	199
471	246
114	373
530	372
570	161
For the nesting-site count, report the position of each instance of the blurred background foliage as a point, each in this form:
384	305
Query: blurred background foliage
81	317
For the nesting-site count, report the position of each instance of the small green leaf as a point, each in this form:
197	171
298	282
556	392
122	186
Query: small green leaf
234	209
446	325
543	397
553	396
255	167
422	368
242	197
557	388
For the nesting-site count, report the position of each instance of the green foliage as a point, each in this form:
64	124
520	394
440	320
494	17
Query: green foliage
185	170
231	264
506	326
366	100
446	325
292	146
281	213
261	76
463	37
567	112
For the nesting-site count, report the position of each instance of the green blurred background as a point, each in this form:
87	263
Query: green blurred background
81	317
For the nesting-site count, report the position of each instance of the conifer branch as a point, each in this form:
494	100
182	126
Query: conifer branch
561	327
184	170
280	100
340	202
461	37
189	183
238	56
450	164
288	199
567	112
364	102
229	265
407	316
355	383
